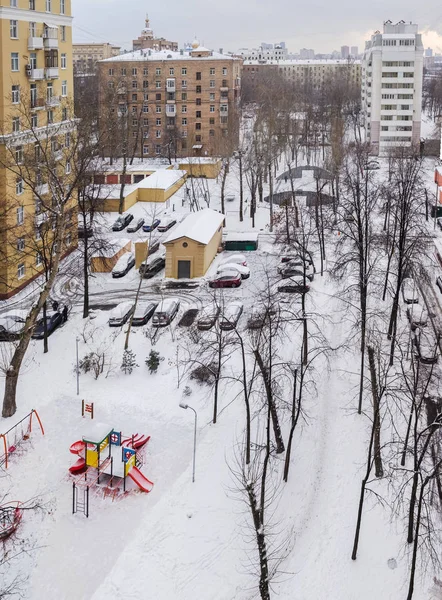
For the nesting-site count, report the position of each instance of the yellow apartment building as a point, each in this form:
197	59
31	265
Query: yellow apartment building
37	135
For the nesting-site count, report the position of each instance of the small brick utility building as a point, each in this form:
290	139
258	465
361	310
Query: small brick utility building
192	246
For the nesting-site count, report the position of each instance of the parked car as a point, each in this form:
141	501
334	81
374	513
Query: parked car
136	226
439	283
293	285
226	279
53	321
230	198
372	165
409	291
122	222
426	346
152	266
239	259
208	317
259	316
166	225
230	316
151	226
292	269
165	312
297	258
12	325
124	264
417	315
242	270
143	313
84	233
120	314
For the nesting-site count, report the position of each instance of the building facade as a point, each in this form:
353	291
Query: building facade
36	117
392	74
147	41
274	53
175	103
86	56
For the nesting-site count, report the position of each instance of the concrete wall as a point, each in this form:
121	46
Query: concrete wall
112	204
195	169
159	195
199	255
105	264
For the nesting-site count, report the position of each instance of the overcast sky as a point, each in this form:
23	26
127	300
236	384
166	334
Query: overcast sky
324	25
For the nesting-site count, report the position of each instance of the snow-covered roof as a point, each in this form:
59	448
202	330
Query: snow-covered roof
172	55
313	61
112	248
95	432
199	160
112	191
161	180
199	226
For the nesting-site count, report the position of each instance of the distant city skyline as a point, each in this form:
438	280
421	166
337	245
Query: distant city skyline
341	25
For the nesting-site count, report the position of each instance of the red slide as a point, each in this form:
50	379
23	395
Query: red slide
142	482
138	441
79	466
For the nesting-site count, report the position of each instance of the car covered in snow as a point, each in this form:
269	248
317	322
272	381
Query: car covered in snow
409	291
166	224
53	321
297	258
372	165
165	312
292	269
124	264
426	344
293	285
242	270
12	325
122	222
226	279
152	266
208	317
152	225
239	259
120	314
230	316
260	316
439	283
135	226
417	316
143	313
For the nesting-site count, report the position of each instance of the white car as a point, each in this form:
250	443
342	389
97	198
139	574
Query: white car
124	264
165	312
208	317
242	270
417	315
426	346
231	315
409	291
120	314
238	259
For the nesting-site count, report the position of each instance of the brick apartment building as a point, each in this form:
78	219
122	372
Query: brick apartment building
175	103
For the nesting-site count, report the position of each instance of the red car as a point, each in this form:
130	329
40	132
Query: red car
226	279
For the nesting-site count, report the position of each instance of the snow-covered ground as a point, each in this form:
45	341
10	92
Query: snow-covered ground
189	540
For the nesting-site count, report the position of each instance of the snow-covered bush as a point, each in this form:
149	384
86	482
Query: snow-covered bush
153	361
205	373
129	362
93	362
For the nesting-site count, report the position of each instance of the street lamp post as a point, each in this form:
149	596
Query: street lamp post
78	370
186	406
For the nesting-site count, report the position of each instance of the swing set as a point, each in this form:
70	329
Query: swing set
14	437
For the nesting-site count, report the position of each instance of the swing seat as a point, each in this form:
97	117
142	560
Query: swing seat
12	449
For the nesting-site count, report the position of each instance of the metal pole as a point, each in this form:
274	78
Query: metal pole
194	445
78	371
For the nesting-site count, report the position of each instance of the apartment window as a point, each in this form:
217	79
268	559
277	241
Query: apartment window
145	122
197	138
158	133
158	109
19	186
64	114
50	115
158	85
198	89
34	121
68	240
20	271
145	71
33	60
134	134
404	107
198	126
211	121
171	71
38	259
13	28
158	97
37	233
20	215
157	71
134	110
123	72
184	133
20	244
62	7
15	94
134	71
134	97
146	97
212	71
224	70
211	132
63	61
184	83
212	96
157	149
145	84
198	76
184	121
14	61
184	145
31	4
389	42
184	96
13	3
67	140
384	128
19	155
48	5
198	102
145	108
184	71
198	114
15	124
111	72
145	149
134	122
32	29
134	84
184	108
212	108
63	33
64	88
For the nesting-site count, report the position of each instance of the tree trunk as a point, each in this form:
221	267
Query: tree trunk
379	470
45	329
416	541
295	415
271	197
241	190
269	393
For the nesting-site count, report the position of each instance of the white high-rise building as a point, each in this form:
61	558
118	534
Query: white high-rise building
392	73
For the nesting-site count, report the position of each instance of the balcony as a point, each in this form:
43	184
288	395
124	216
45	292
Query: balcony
35	43
53	101
170	110
37	103
41	218
170	85
50	43
35	74
51	73
58	155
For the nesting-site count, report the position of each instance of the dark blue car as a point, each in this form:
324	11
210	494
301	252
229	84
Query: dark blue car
151	226
52	322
